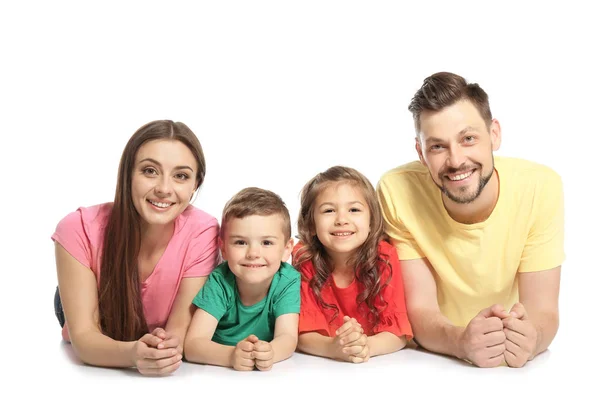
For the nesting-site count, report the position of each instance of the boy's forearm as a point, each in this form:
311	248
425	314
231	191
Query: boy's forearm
316	344
94	348
205	351
283	346
385	343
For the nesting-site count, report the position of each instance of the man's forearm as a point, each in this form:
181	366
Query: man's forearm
436	333
546	325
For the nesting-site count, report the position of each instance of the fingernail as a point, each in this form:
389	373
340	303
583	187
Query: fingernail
173	352
160	345
514	314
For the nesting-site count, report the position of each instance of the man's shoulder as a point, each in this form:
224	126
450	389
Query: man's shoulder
408	169
525	171
407	175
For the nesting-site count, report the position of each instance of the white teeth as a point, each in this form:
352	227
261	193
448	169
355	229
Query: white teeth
461	176
342	234
160	205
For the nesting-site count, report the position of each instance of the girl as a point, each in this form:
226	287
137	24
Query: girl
128	270
352	294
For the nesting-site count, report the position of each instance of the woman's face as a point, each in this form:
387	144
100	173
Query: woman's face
163	180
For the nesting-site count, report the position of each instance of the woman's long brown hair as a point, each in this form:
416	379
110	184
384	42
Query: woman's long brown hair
119	301
366	258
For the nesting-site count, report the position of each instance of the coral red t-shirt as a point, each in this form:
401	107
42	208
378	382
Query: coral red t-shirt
393	317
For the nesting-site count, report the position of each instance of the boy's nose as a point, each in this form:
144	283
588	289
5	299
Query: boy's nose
252	252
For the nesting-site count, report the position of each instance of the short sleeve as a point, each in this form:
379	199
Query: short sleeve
213	296
70	234
544	248
288	298
203	252
312	318
393	318
407	247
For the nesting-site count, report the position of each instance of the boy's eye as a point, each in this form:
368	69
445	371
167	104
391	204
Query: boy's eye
435	147
469	139
267	243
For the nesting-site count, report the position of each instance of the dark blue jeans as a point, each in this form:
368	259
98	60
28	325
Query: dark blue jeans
58	310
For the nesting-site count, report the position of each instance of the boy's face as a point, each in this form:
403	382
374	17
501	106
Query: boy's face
255	246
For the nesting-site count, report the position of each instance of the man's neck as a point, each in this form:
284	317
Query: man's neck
478	210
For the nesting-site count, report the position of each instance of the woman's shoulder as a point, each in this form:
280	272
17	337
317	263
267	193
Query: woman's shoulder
89	218
193	218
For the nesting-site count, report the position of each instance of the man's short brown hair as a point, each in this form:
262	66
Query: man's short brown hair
442	90
256	201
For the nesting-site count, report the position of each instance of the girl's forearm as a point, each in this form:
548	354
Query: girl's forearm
317	344
385	343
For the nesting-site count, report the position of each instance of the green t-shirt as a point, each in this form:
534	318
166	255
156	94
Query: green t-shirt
219	297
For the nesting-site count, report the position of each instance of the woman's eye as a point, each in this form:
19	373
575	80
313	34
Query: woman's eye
182	177
149	171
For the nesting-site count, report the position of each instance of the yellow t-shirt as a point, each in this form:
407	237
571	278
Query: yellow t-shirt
476	265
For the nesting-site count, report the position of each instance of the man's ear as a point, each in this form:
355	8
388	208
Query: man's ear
419	149
495	134
287	251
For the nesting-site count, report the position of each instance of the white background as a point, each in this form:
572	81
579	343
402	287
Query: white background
276	92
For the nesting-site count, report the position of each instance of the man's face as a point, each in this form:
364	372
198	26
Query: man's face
456	145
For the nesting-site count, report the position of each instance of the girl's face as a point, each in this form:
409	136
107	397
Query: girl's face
164	179
342	219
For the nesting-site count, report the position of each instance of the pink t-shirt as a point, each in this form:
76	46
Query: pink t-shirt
191	252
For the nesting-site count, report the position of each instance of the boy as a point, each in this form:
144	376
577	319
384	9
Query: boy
247	313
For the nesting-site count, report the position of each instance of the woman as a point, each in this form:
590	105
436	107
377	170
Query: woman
128	270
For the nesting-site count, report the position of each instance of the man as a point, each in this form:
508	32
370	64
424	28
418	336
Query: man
481	260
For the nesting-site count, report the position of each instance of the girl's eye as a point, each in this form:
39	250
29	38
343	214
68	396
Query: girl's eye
355	210
239	243
327	211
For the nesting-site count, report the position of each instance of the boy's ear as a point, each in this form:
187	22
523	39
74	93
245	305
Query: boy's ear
222	248
287	251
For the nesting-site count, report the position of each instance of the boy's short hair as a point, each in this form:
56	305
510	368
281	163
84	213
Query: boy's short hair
256	201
